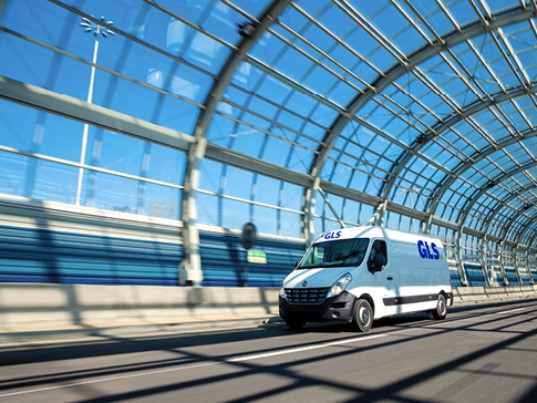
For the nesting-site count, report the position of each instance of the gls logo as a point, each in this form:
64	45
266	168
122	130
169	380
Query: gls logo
428	251
332	235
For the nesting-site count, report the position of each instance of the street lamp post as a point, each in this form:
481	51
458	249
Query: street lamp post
97	29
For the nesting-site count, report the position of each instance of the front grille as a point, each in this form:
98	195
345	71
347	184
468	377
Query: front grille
306	295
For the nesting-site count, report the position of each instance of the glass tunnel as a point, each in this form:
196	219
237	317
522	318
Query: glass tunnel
137	138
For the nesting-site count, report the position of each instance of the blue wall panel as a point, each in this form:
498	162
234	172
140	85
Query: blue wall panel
44	256
511	276
455	278
225	262
474	275
524	278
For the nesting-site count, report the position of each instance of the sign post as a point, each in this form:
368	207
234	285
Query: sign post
248	239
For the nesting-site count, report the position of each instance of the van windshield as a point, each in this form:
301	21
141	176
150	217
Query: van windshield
344	252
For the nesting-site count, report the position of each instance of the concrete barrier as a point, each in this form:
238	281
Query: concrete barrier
42	306
35	307
464	295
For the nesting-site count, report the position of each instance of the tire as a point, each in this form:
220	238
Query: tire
363	316
440	312
295	324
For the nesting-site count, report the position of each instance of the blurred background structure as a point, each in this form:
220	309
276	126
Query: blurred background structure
143	165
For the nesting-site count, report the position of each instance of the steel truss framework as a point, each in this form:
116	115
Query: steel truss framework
442	132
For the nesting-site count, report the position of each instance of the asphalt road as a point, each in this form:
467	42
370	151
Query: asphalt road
478	354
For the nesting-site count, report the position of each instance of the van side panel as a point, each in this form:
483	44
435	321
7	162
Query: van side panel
420	273
411	280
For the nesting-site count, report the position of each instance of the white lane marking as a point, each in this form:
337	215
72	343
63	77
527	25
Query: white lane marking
205	364
512	310
307	348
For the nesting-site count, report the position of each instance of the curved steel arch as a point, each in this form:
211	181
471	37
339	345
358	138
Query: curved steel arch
512	219
531	238
449	180
502	204
480	192
517	213
525	229
513	15
527	235
531	225
470	110
191	265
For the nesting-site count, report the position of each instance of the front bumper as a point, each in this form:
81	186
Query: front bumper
339	308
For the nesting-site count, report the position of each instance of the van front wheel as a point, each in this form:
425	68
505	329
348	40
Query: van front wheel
440	312
363	315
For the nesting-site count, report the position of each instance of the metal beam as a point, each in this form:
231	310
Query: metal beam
459	257
482	242
521	246
457	117
76	109
503	204
501	251
511	221
233	158
529	234
525	227
477	157
480	192
191	265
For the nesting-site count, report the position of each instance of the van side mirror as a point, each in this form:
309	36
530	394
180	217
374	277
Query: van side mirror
376	263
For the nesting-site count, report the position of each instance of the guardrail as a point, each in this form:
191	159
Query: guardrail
34	307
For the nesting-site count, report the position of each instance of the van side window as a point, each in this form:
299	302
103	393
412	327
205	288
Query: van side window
378	257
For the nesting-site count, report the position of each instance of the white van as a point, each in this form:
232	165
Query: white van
358	275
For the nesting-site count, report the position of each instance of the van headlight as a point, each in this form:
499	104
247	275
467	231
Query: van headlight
339	286
282	293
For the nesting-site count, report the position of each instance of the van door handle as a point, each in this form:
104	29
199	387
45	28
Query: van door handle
389	278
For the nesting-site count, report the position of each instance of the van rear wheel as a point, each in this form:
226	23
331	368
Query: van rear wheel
363	315
440	312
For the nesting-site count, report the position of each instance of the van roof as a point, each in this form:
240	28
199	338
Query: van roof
376	232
